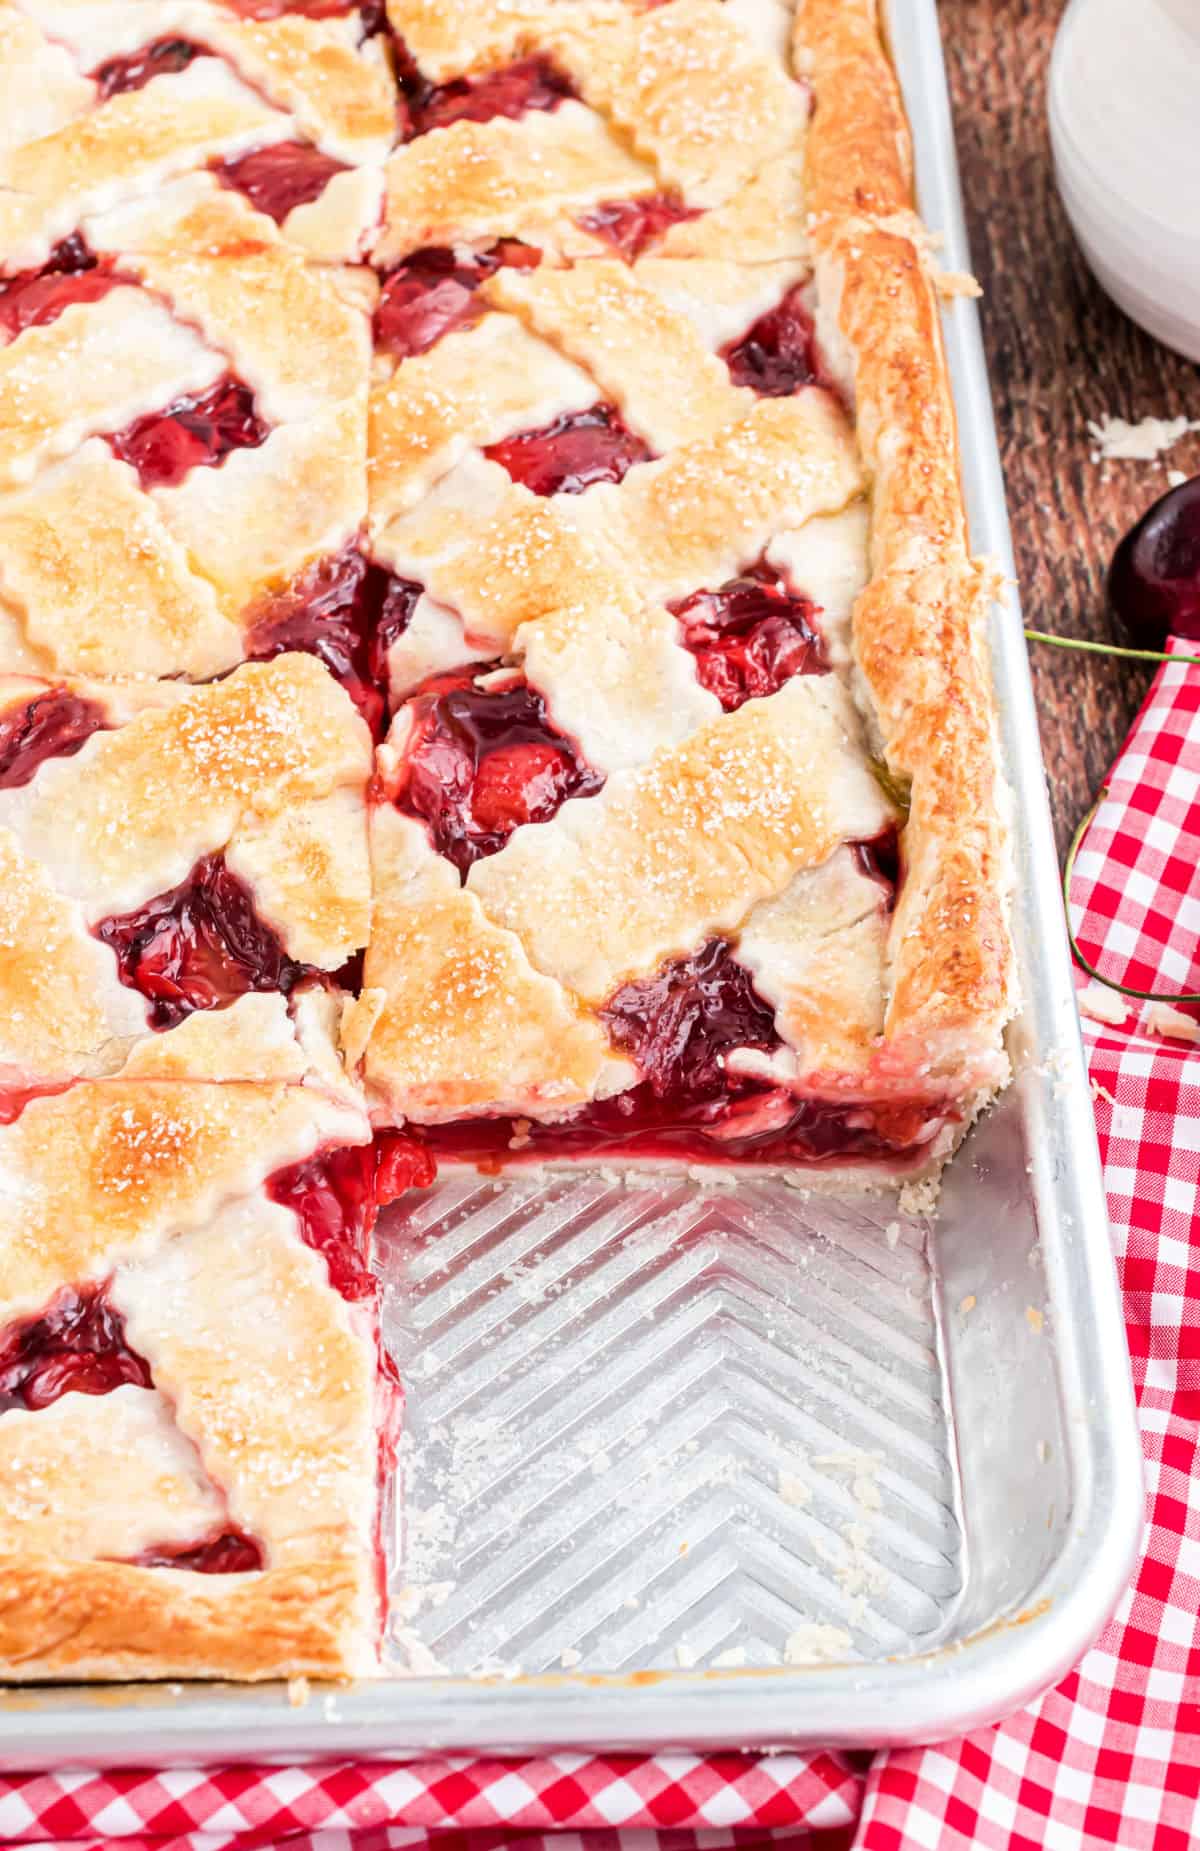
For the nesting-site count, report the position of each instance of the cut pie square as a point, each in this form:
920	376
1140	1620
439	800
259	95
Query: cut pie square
186	1314
169	850
491	671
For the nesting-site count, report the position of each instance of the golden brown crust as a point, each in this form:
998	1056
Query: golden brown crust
64	1619
155	1188
919	628
858	155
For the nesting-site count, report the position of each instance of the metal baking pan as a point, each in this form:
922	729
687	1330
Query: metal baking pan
742	1467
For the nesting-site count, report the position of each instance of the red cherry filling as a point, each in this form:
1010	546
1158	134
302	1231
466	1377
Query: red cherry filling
778	354
337	1194
137	68
760	1124
750	636
230	1553
347	612
278	179
1154	579
570	455
199	946
514	90
195	432
72	273
881	860
77	1346
679	1025
479	762
632	225
53	725
433	291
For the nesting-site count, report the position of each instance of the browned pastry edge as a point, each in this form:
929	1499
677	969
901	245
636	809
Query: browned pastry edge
68	1619
920	626
858	152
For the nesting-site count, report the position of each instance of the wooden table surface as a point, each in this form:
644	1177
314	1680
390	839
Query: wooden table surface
1060	353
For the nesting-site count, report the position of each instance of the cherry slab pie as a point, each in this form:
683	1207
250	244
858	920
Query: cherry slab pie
491	672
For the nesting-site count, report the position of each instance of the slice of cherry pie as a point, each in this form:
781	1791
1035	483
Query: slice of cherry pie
490	663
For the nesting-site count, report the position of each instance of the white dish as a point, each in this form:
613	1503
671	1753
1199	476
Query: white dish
1125	129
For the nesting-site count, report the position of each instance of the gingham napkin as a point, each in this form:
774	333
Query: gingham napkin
1110	1757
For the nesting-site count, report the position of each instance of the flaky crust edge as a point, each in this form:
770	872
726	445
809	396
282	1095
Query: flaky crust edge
62	1619
920	627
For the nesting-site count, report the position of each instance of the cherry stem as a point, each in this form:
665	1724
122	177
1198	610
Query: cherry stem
1110	983
1108	649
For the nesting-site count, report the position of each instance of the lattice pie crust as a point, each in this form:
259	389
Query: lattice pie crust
491	670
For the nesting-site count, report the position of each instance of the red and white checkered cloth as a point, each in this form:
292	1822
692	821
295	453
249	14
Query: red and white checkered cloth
1110	1757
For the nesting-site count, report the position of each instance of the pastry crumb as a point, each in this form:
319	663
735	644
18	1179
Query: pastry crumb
1103	1005
892	1234
1034	1319
298	1692
568	1658
1118	441
1165	1020
968	1304
815	1643
731	1660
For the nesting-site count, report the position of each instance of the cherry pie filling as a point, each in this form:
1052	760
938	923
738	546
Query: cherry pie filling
513	90
578	450
336	1195
199	946
76	1346
195	432
480	761
779	353
432	292
751	635
631	226
72	273
52	725
680	1028
230	1552
278	178
162	57
346	611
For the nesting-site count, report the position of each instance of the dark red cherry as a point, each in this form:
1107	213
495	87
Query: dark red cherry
778	354
632	225
230	1553
750	635
52	725
1154	579
513	90
198	946
195	432
278	178
570	455
480	762
679	1024
433	291
72	273
77	1346
346	611
161	58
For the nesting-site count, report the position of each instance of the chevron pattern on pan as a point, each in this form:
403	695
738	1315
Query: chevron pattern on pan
653	1425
